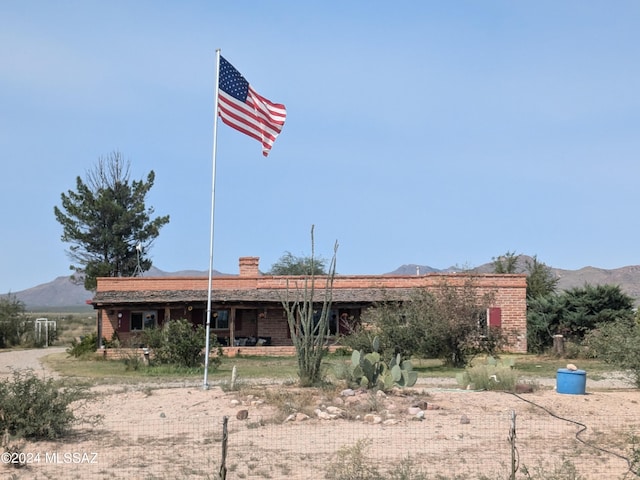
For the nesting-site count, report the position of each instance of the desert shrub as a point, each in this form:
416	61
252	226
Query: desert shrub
132	361
563	470
153	338
574	349
114	342
46	413
634	454
406	470
353	463
360	338
11	332
12	321
618	343
179	342
86	346
447	322
489	376
289	402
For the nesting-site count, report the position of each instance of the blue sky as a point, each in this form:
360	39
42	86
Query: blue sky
435	133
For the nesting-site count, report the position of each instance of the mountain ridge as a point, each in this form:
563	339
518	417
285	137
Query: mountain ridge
62	292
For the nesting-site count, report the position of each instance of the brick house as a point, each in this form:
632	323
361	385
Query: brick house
247	308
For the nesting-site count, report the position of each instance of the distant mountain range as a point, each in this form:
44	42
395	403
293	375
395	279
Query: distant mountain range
627	277
62	293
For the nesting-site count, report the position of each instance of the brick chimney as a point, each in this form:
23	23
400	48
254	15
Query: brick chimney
249	266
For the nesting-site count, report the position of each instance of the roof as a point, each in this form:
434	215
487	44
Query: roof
342	295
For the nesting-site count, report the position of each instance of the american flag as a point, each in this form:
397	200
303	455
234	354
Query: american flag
240	107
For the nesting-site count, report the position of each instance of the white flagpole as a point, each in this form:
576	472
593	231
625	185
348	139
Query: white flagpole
205	382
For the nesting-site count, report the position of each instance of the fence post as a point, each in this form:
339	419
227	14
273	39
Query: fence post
512	441
558	345
222	475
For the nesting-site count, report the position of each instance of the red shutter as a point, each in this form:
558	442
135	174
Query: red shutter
495	317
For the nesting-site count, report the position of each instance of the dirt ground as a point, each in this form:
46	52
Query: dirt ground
278	431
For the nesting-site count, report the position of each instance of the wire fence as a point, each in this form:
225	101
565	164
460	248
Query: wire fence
514	444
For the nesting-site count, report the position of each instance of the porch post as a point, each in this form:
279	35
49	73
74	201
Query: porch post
232	327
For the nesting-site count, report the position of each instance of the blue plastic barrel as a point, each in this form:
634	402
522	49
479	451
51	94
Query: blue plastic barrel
572	382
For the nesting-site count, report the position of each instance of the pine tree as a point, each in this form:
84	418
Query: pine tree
107	223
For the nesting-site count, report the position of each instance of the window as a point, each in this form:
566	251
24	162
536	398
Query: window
332	320
143	320
220	319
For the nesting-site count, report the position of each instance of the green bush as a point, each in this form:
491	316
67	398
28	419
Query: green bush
574	313
181	343
440	323
13	323
12	331
132	362
618	343
33	408
86	346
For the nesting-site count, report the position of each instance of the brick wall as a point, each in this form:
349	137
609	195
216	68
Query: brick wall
509	293
275	325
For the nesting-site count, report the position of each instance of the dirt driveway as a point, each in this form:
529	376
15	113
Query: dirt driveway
11	360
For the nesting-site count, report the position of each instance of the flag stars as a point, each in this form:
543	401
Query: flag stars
232	82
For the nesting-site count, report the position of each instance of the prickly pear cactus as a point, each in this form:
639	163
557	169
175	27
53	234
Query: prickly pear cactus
370	371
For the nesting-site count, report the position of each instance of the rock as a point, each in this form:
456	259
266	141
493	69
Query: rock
322	415
390	421
371	418
242	414
235	402
414	410
420	415
351	400
301	417
433	406
335	411
297	417
524	388
349	392
381	394
162	415
422	405
464	420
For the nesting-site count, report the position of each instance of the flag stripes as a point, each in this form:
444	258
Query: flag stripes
243	109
